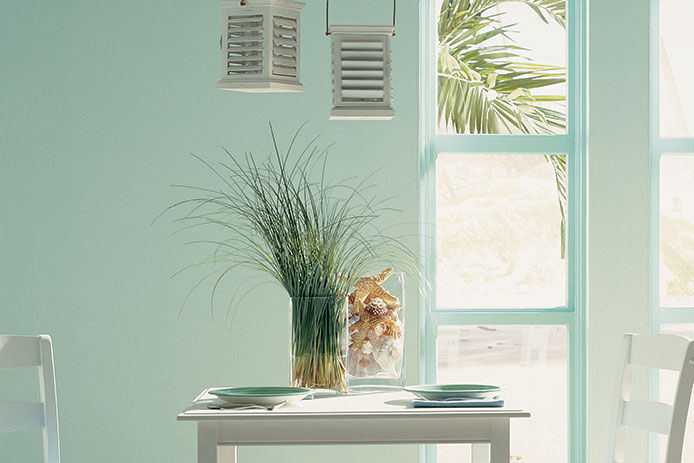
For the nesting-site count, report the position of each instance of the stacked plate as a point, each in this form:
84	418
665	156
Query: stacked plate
456	395
264	396
454	391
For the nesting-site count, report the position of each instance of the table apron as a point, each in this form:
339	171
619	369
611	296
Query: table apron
358	431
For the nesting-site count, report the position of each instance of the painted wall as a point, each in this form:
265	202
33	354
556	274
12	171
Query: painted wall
100	104
618	203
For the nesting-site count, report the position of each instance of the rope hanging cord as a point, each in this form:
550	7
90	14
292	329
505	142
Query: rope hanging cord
327	12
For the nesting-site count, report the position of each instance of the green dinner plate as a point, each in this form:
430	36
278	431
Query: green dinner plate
261	395
450	391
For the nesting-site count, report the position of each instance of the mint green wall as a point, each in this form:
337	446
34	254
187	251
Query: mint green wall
100	102
618	171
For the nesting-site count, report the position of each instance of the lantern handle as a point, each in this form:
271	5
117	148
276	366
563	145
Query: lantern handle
327	22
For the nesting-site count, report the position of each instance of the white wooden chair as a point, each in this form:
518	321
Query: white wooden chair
25	352
661	351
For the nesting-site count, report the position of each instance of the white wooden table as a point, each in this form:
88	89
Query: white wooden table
382	418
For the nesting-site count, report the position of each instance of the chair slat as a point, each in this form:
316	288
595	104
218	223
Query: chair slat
19	352
649	416
662	351
21	416
32	351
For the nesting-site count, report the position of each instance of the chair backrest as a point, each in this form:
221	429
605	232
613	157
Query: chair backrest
26	352
661	351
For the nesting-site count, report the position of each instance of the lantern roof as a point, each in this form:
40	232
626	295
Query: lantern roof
346	29
280	3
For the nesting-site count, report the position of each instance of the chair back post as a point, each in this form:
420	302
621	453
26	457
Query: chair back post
681	408
30	352
51	439
622	391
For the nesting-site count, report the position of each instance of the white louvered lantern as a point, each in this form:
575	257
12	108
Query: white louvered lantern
260	46
361	72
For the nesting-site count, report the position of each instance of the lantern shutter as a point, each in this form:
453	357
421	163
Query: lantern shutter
260	46
361	72
285	46
244	45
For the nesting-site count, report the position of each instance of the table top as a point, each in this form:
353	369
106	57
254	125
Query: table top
367	405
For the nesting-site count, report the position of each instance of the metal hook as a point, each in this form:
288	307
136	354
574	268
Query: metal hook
327	8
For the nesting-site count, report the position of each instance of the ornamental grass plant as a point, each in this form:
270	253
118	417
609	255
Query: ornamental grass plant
283	216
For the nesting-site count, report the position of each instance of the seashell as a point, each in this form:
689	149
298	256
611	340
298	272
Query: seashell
370	287
364	362
376	342
353	319
392	328
359	362
377	307
395	307
383	357
396	350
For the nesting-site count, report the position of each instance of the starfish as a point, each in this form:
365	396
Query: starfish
370	286
368	321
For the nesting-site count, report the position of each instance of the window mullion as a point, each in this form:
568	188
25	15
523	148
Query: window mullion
673	145
541	144
516	318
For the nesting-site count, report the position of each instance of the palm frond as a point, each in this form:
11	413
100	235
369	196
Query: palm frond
484	87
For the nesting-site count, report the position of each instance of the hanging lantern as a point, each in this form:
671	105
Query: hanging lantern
362	82
260	46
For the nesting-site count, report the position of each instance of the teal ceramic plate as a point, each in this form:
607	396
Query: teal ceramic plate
267	396
449	391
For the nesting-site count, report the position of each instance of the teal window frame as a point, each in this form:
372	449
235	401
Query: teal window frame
660	316
572	143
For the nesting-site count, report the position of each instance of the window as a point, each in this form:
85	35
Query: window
498	232
672	188
502	171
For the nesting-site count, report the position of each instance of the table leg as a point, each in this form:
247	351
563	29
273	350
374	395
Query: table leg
207	442
480	453
499	445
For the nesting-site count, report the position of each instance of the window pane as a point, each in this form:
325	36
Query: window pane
677	230
499	231
668	384
676	68
530	364
502	67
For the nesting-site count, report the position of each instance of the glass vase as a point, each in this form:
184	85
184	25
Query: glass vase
377	355
319	342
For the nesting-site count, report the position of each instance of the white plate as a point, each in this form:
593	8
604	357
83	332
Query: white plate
266	396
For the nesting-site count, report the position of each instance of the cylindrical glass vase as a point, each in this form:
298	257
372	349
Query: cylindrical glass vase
377	337
319	342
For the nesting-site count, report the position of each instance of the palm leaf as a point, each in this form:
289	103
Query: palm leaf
484	87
